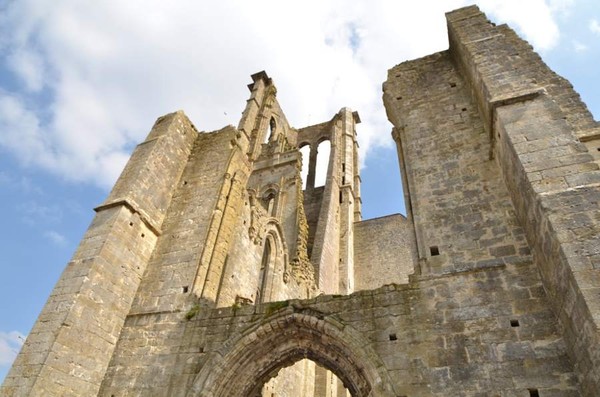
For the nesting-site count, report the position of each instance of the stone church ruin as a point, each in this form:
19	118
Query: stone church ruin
211	270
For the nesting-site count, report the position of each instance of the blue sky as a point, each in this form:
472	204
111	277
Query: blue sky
81	86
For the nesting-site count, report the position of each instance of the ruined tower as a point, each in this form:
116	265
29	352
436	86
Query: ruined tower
212	267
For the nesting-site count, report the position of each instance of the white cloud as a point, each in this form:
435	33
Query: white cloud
21	132
10	344
55	237
561	6
595	26
95	77
28	65
535	19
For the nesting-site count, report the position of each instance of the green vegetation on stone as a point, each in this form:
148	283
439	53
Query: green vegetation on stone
273	307
192	312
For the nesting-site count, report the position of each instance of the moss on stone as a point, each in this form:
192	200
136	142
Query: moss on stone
192	312
274	306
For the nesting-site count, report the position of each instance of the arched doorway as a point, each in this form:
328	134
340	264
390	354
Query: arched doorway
244	364
305	378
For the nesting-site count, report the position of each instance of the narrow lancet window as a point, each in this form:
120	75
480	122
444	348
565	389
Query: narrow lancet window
271	131
269	203
264	273
305	152
323	151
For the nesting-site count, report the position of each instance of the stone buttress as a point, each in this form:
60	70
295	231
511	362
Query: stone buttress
500	170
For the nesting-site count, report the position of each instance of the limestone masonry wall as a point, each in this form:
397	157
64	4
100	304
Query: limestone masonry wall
383	251
462	212
448	335
80	324
535	134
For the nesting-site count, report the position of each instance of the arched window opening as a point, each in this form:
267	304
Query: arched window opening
264	274
268	202
271	131
307	377
305	152
323	151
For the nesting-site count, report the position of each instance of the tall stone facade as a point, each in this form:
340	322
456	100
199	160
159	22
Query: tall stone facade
210	269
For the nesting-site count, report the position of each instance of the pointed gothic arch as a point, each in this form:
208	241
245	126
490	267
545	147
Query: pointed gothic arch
304	150
267	271
246	362
269	198
275	260
322	161
270	132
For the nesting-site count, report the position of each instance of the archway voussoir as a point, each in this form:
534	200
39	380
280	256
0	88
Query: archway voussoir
304	319
258	353
281	322
250	338
264	330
